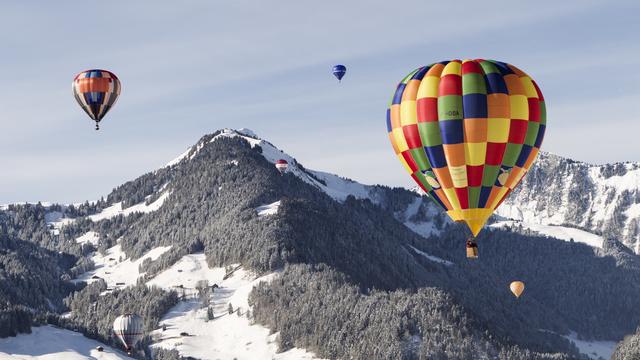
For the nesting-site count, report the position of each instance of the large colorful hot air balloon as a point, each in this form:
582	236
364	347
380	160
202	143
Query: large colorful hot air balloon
339	71
282	166
129	329
96	91
467	132
517	287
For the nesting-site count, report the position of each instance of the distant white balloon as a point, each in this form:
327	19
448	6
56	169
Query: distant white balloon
129	329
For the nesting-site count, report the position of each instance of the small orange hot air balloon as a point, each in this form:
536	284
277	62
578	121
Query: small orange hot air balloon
517	287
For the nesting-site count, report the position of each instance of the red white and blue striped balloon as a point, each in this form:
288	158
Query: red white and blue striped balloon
96	91
282	165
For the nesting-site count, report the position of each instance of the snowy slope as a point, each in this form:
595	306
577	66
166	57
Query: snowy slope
419	218
90	237
594	349
178	159
186	272
555	231
53	216
225	337
115	268
556	191
268	209
116	209
432	258
51	343
56	219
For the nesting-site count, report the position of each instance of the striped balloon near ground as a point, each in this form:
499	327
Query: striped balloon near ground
96	91
467	132
129	329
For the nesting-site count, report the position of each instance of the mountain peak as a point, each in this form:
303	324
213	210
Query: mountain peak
548	156
192	151
247	132
337	187
604	199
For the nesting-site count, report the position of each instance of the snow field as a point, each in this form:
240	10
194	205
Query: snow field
52	343
594	349
118	273
555	231
432	258
268	209
227	336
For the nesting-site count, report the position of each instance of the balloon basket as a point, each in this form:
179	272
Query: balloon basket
472	249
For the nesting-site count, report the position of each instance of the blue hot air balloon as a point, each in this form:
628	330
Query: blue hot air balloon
339	71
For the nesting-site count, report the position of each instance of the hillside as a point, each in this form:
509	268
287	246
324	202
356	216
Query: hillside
603	199
354	270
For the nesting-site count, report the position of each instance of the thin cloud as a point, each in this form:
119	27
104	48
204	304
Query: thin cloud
188	70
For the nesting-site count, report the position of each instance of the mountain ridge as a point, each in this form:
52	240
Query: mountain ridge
604	199
611	208
372	241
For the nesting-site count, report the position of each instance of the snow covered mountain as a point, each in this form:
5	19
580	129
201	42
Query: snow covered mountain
120	263
418	214
602	199
293	252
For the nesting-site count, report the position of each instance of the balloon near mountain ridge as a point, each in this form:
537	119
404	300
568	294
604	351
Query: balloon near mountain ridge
467	132
282	166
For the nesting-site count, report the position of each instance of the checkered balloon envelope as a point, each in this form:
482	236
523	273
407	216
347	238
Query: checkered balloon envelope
467	132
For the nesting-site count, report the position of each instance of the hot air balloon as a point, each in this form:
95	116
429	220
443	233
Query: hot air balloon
467	132
339	71
96	91
282	166
517	287
129	329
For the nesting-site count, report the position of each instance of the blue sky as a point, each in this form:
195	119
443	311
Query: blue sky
191	67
